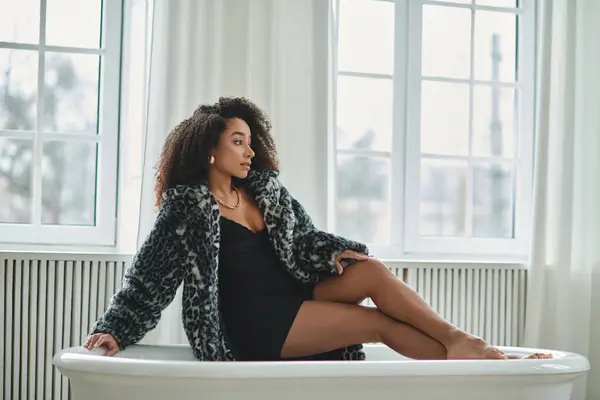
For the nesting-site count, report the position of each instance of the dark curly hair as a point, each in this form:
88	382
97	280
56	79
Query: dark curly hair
185	154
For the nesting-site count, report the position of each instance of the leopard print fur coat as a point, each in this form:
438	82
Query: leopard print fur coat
183	246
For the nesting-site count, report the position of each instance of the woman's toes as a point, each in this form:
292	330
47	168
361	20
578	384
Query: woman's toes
494	353
539	356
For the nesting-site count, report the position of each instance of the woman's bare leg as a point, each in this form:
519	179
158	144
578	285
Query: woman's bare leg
323	326
396	299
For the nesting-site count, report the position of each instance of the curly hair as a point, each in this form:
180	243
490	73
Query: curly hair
185	155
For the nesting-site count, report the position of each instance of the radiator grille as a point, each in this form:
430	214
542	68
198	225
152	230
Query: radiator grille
48	305
50	302
487	302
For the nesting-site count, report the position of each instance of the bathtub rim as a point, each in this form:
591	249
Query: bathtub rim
77	359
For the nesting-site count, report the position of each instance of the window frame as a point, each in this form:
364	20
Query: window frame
405	155
103	233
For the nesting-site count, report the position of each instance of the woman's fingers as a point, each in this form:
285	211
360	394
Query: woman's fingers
89	343
96	339
345	254
360	256
351	254
113	348
102	339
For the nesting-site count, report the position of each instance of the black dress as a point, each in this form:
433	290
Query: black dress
259	298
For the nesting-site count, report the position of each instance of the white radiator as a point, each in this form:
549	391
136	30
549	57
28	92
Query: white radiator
50	302
487	302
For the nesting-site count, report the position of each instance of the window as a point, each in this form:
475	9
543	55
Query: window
59	104
434	116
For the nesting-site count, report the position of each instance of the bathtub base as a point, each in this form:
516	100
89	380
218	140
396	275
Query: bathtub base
105	387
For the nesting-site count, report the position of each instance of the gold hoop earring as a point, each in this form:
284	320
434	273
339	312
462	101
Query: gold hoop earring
211	159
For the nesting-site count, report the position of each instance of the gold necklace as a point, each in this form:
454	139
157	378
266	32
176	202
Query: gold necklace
224	204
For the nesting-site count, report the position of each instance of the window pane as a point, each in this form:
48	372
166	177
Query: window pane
493	201
15	180
493	121
443	197
18	89
497	3
445	118
20	21
363	204
364	113
69	183
366	36
64	17
495	46
71	93
446	42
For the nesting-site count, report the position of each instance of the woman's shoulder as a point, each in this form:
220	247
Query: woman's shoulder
184	201
186	192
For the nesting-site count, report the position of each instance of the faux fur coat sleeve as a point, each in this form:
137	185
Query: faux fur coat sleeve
317	250
149	284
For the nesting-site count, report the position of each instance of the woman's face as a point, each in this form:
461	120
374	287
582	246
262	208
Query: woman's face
232	153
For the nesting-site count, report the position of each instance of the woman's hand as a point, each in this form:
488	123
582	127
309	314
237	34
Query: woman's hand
102	339
349	254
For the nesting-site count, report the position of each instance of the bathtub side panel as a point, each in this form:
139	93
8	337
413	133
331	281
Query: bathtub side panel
464	388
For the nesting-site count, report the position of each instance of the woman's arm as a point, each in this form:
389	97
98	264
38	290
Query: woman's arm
316	249
149	284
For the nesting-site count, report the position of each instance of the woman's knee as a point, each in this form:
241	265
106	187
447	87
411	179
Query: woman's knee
372	271
372	267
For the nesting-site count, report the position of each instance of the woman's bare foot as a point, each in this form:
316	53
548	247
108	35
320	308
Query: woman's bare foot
469	347
534	356
539	355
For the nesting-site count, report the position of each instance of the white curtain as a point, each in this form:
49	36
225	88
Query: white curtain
274	52
564	282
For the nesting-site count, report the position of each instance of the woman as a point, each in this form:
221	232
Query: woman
260	282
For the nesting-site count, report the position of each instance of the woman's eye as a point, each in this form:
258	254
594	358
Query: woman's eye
237	142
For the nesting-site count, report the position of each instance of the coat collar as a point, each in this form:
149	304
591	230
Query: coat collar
196	201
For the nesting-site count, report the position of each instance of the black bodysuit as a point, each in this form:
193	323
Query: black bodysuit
259	298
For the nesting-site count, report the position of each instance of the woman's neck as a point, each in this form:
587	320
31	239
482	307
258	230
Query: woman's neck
219	184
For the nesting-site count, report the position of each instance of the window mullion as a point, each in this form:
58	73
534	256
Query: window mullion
38	135
412	149
398	151
332	176
108	149
470	178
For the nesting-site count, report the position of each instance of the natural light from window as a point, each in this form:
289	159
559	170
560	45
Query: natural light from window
58	119
434	109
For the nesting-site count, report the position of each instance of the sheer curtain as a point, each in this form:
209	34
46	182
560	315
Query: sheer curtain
274	52
564	283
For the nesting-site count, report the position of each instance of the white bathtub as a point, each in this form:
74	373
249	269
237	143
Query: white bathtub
171	372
